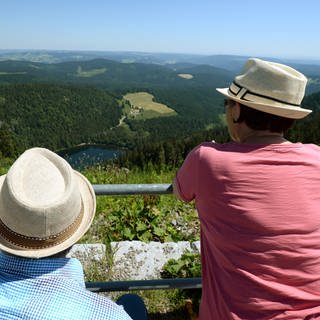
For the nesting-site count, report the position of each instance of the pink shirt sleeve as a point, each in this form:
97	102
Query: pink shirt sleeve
186	180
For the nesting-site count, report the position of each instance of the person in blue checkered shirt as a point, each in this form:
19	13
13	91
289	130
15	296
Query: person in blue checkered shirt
45	208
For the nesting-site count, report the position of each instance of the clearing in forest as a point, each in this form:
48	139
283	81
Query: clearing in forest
185	76
89	73
144	100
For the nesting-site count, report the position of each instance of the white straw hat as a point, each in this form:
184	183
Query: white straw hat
45	206
269	87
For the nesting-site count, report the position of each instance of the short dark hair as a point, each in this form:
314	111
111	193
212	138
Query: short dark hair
259	120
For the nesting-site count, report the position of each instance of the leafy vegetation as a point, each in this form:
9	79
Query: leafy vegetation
188	266
146	218
159	218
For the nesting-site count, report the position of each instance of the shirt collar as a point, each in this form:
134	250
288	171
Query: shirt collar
31	268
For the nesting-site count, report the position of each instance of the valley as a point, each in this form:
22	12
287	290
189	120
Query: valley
59	100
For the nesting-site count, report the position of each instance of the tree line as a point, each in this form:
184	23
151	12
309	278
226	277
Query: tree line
59	116
171	152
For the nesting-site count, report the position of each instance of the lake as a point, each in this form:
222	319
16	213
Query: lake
84	156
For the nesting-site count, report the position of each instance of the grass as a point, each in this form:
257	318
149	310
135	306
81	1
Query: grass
145	218
90	73
145	101
140	217
172	304
185	76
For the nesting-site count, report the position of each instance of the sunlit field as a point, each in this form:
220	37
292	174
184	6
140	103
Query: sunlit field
145	101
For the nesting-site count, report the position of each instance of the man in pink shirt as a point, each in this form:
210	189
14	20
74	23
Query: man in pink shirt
258	203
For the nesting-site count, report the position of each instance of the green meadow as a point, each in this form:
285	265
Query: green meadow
90	73
143	106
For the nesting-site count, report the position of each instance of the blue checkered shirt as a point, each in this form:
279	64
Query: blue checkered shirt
42	289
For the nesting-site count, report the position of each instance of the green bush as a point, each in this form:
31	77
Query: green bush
146	218
188	266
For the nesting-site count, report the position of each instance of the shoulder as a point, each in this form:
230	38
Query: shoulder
311	147
213	149
208	154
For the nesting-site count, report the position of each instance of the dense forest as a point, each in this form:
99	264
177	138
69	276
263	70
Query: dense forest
171	152
307	130
62	105
63	116
54	116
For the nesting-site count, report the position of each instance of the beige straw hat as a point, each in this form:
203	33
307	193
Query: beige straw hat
45	206
269	87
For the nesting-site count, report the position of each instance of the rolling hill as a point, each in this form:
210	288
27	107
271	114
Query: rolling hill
109	74
131	69
61	104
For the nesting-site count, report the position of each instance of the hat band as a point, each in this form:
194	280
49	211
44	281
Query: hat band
43	242
247	95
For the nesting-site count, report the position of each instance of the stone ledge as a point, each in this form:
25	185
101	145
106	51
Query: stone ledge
88	252
136	260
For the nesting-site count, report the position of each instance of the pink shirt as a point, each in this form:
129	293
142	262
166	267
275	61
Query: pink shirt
259	207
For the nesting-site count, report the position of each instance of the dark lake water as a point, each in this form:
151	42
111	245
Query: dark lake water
89	155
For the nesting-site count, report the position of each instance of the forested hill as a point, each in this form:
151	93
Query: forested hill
171	152
61	116
60	105
56	116
111	74
38	107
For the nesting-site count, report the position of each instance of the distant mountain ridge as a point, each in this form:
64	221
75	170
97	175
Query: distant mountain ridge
111	74
226	61
130	68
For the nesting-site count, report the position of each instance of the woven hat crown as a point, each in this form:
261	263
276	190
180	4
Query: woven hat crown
43	203
273	81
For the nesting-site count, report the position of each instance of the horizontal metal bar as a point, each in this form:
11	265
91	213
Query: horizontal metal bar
130	189
160	284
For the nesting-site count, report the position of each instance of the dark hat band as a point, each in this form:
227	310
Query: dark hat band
241	93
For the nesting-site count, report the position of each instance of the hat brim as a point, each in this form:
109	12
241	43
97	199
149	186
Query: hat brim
89	207
282	110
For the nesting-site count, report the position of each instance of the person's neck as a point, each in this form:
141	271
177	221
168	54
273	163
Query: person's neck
264	137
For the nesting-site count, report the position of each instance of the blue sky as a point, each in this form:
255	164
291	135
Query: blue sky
277	28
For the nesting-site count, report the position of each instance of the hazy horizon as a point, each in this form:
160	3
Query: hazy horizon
282	29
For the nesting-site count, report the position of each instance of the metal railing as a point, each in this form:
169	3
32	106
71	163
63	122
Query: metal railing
159	284
131	189
128	285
